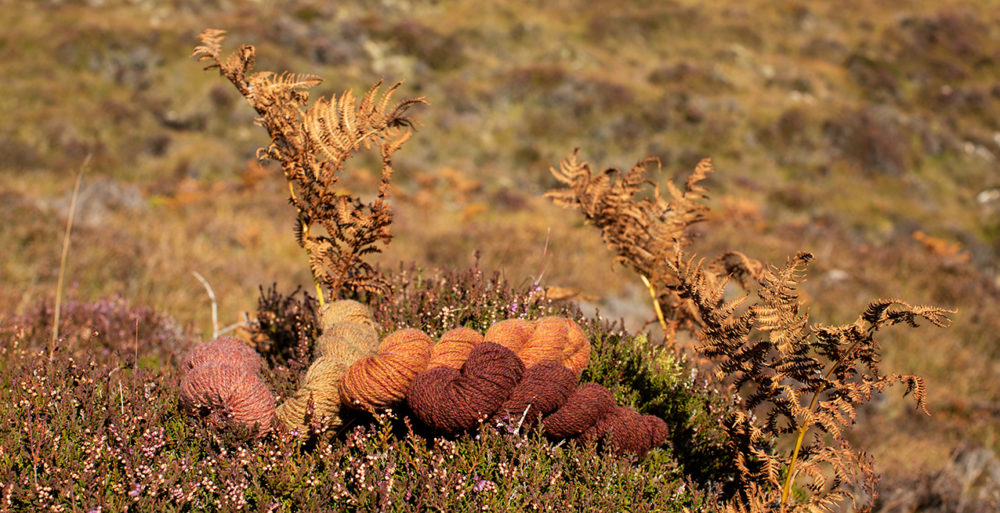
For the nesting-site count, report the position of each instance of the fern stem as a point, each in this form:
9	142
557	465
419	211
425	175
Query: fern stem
805	427
659	311
305	235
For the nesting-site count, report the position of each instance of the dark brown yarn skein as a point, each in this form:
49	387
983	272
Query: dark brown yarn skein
453	400
543	389
624	430
584	407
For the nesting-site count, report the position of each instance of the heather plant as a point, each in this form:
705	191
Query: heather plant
106	329
441	299
102	434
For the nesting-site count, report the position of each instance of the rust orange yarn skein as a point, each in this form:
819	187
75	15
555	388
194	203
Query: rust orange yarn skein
453	348
379	380
550	339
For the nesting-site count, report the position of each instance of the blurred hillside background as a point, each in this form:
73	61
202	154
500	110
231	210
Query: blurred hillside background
867	133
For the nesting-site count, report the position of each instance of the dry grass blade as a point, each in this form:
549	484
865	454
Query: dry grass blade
64	255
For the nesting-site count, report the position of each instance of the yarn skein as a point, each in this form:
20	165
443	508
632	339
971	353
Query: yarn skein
453	348
582	409
557	339
523	371
346	344
222	383
543	389
229	349
379	380
451	400
626	430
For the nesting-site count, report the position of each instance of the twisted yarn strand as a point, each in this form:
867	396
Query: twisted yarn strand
378	380
348	336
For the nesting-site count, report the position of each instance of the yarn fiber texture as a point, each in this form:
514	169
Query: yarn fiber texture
376	381
349	335
543	389
453	400
222	383
382	379
551	339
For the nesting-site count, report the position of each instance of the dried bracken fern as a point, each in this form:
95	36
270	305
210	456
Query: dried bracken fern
642	232
792	377
312	144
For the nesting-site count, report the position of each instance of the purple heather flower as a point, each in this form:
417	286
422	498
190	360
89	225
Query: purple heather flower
482	484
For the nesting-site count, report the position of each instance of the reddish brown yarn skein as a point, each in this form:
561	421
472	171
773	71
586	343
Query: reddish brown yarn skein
224	385
381	380
626	430
453	400
543	389
584	407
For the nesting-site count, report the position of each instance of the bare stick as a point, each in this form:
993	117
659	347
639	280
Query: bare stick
65	254
215	306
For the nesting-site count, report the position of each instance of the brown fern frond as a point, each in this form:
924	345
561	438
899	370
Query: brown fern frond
792	376
211	45
312	144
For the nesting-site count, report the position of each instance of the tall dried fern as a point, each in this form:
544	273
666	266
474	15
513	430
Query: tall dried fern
793	378
642	232
311	144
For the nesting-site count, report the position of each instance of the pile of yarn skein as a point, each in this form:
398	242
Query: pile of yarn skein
520	372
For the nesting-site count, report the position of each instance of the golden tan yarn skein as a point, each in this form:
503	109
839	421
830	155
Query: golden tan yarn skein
348	335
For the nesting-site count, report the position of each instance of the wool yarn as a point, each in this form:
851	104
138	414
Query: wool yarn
222	383
224	349
453	400
555	339
626	430
583	408
349	335
379	380
345	310
510	333
453	348
543	389
520	371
